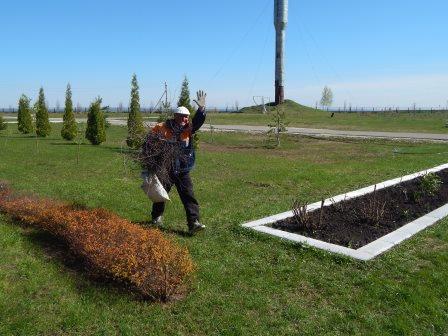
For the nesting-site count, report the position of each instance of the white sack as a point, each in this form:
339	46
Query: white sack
154	189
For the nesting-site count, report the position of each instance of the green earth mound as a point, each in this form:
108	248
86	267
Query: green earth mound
289	106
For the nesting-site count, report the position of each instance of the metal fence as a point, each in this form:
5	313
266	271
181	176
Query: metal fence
394	109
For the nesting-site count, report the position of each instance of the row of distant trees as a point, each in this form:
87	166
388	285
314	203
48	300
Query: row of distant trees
95	130
96	123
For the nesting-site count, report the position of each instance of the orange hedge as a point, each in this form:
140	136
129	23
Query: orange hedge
156	266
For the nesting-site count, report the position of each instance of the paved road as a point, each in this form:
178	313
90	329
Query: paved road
338	133
296	130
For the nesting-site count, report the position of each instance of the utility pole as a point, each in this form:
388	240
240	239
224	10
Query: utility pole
280	22
166	95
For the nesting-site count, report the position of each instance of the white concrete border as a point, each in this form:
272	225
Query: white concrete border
370	250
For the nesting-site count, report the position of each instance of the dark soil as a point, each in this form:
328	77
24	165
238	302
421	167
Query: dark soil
356	222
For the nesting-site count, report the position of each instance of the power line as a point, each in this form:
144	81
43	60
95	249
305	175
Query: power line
238	45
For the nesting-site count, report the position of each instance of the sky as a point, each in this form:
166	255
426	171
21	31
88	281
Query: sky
370	53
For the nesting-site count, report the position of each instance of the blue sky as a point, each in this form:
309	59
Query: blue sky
371	53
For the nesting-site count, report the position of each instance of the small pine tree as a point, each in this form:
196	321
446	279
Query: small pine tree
184	98
69	127
136	130
24	119
3	124
96	128
43	127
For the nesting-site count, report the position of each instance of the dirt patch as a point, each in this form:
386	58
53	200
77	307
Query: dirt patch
359	221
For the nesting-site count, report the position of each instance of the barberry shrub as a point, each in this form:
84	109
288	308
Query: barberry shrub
69	127
136	130
43	127
112	246
24	119
96	124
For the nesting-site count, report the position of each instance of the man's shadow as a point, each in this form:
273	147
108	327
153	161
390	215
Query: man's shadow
59	250
147	225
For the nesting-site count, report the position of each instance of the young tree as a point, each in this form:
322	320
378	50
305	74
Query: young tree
24	119
277	125
327	97
43	127
96	128
165	112
136	130
69	127
184	98
3	124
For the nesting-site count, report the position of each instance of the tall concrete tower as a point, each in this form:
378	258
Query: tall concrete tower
280	22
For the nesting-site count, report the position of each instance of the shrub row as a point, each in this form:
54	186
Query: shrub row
111	245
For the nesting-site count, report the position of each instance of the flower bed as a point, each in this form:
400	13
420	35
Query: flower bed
356	222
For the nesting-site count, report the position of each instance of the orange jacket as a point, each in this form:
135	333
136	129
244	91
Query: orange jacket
167	132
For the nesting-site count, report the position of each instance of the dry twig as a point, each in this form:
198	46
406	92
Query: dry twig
159	156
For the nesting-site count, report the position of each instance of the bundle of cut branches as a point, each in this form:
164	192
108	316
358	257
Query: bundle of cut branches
159	156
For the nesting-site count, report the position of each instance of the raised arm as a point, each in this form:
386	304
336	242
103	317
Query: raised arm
199	117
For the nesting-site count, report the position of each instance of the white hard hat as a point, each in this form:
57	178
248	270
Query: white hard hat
182	110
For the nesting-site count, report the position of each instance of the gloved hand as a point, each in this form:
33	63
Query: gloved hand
200	101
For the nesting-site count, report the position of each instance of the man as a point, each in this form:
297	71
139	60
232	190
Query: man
181	130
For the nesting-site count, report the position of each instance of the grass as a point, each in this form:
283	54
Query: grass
301	116
247	283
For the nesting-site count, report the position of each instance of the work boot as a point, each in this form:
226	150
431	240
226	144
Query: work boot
195	227
156	222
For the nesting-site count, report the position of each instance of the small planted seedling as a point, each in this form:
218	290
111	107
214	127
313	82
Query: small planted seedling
305	219
276	127
339	206
321	212
79	137
407	213
212	132
301	217
372	210
431	184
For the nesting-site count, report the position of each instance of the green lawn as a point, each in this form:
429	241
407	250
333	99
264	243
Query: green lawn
246	283
301	116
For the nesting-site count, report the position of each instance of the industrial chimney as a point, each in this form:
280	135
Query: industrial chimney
280	21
